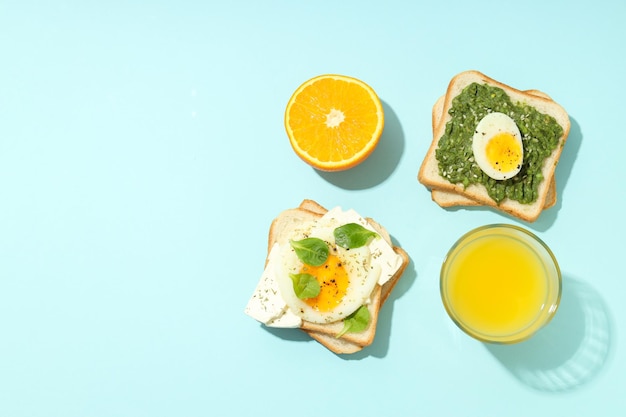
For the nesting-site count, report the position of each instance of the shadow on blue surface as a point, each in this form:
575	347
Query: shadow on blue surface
294	335
570	351
380	164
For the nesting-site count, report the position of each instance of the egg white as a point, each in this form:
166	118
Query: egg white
489	126
362	275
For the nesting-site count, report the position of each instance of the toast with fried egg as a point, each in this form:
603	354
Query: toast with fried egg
476	193
283	228
354	342
452	199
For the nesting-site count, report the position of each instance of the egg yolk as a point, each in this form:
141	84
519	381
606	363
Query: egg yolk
333	279
504	152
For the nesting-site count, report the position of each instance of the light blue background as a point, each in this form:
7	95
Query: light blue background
143	157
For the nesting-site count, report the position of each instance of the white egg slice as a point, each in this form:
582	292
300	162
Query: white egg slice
340	300
497	146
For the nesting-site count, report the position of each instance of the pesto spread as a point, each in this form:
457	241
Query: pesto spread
540	136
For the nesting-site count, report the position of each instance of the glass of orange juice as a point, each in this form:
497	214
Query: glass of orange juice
500	283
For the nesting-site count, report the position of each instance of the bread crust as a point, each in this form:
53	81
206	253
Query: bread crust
429	170
325	333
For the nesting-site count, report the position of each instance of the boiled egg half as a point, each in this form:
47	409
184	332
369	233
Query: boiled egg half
497	146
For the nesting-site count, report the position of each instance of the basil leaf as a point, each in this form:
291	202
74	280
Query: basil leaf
311	251
353	235
305	286
355	322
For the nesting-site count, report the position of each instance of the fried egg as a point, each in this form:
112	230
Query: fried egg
364	267
346	279
497	146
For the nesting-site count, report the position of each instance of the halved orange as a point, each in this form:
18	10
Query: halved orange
334	122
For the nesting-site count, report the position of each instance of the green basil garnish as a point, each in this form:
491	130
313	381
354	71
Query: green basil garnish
355	322
311	251
305	286
353	235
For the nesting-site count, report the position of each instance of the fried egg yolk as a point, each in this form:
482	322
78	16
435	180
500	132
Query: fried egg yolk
497	146
346	279
333	279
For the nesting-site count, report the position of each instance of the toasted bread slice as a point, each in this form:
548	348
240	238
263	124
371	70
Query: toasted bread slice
453	199
308	210
429	170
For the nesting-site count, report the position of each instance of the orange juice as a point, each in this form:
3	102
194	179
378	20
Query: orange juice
500	283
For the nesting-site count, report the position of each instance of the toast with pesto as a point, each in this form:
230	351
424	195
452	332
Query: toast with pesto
452	199
448	166
284	227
